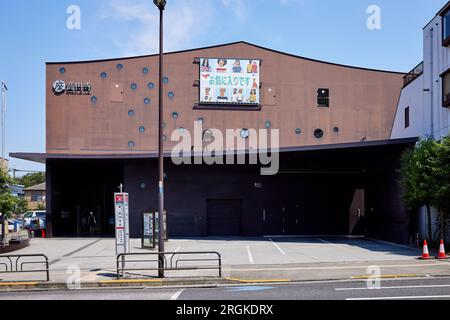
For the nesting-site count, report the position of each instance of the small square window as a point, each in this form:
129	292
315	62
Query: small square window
323	97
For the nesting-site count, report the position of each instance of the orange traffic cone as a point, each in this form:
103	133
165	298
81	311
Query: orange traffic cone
426	253
442	255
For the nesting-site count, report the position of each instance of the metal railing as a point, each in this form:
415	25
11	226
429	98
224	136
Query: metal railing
413	74
175	262
16	264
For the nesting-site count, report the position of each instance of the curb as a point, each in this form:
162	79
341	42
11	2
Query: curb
164	283
22	286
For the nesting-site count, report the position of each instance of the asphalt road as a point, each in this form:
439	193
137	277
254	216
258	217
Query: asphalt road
406	289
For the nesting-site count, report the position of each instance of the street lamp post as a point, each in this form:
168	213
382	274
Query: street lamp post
3	116
161	4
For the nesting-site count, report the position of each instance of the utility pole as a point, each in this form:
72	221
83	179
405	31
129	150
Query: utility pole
3	116
161	4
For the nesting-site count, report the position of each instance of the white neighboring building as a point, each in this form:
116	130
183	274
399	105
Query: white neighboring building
427	87
424	104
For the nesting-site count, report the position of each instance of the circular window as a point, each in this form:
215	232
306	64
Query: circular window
201	120
163	125
298	131
133	86
131	113
207	136
145	70
93	99
103	75
147	101
165	80
336	129
143	185
164	138
318	133
268	125
119	66
131	144
245	133
62	70
151	85
142	129
171	95
175	115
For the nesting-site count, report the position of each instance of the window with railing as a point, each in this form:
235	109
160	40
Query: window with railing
323	97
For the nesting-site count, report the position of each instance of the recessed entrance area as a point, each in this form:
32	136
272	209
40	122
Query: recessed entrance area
80	188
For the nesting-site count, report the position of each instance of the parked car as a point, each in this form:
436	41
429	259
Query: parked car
34	219
14	225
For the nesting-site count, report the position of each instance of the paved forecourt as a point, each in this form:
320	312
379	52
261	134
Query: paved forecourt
296	257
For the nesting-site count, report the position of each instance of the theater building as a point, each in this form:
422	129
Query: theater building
337	160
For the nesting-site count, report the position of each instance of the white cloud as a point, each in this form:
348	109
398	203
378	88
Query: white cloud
141	19
186	21
238	7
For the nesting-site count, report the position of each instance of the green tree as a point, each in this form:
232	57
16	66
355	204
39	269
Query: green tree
21	206
8	204
418	177
441	172
31	179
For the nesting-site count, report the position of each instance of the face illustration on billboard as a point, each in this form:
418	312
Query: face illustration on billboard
229	81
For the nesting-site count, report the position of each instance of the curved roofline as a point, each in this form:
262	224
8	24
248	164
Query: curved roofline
224	45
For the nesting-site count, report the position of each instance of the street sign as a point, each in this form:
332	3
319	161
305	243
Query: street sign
121	206
148	239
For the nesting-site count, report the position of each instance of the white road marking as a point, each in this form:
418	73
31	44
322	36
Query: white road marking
400	298
321	240
277	246
395	287
177	295
339	268
250	257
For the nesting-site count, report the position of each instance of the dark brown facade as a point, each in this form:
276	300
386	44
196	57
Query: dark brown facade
341	183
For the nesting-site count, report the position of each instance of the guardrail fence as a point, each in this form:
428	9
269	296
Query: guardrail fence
178	261
20	264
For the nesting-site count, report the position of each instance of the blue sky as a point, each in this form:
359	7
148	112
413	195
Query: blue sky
34	32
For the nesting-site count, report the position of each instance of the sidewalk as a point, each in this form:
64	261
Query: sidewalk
245	260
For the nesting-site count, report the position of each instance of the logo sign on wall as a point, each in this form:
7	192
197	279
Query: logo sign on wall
229	81
71	88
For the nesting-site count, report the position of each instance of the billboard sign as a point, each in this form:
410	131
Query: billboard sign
121	206
230	81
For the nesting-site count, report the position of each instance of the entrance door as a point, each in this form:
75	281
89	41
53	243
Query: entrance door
357	219
293	224
224	218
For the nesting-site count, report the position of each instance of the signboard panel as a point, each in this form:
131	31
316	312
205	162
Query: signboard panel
148	239
121	208
229	81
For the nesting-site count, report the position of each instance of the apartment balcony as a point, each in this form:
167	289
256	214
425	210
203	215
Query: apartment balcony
413	74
